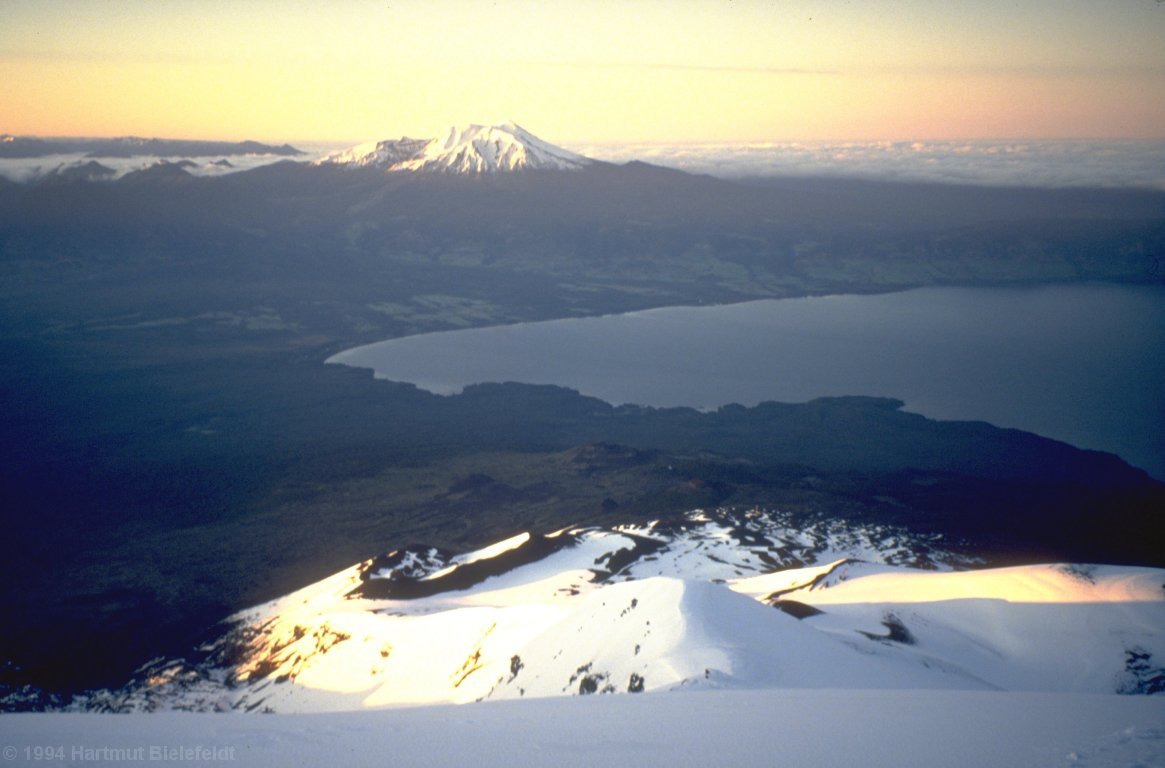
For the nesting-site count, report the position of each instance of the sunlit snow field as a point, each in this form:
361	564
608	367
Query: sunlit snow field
865	663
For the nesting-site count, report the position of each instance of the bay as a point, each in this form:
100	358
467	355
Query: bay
1082	363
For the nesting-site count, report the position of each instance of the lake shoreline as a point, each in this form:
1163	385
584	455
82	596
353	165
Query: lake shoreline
1072	362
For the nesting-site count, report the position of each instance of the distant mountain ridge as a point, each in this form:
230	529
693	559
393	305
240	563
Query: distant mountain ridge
467	150
134	146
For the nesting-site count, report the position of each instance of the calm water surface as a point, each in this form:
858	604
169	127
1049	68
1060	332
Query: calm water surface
1081	363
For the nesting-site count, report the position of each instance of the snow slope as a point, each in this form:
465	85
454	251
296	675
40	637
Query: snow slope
377	154
792	728
721	600
470	149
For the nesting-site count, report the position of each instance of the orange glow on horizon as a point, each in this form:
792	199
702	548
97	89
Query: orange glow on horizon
584	71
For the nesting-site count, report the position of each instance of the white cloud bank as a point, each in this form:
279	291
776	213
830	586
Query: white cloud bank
1009	163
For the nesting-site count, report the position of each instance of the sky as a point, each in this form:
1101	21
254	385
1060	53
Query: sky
585	70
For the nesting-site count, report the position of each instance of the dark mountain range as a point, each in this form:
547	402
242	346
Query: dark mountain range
603	238
89	171
133	146
173	448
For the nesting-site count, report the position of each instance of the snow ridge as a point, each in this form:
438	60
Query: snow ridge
467	150
377	154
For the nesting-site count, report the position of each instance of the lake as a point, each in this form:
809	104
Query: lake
1078	363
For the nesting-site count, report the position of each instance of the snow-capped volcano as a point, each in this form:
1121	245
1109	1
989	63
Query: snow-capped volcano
722	599
471	149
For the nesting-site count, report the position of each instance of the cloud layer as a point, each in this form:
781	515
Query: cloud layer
1009	163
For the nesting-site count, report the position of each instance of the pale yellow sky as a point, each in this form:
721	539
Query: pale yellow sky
585	70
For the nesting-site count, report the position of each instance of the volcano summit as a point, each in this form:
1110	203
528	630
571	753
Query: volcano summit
470	149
